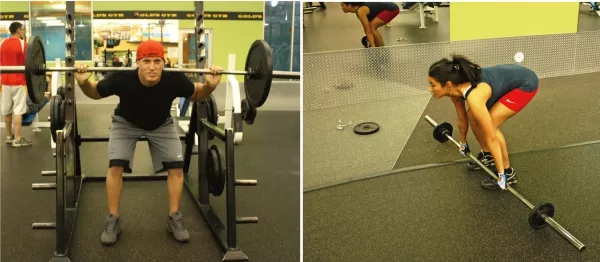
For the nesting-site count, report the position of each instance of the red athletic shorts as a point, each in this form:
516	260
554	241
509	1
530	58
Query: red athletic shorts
517	99
388	16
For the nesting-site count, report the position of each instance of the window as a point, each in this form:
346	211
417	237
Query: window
48	22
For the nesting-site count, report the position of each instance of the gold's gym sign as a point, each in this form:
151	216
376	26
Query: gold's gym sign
14	16
183	15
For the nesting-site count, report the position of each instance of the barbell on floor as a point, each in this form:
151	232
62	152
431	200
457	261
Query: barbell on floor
257	76
540	215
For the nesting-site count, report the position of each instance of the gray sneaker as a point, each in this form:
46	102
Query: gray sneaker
111	230
175	226
9	139
21	142
486	160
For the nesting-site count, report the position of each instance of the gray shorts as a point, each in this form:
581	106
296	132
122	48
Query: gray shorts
14	100
164	143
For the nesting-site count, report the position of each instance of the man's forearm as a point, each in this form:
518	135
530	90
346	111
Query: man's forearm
89	89
202	90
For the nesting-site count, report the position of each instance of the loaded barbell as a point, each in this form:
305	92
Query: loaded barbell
257	76
540	215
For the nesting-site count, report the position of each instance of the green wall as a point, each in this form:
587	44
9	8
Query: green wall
16	6
229	36
469	21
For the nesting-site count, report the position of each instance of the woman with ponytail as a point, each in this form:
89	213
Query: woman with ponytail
494	95
372	15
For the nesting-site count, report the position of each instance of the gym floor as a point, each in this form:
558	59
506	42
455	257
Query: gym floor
589	20
332	29
442	211
268	154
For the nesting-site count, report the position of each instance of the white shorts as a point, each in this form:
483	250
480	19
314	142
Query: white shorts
14	100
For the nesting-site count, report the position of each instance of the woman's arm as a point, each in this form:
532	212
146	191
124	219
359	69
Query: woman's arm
477	100
463	122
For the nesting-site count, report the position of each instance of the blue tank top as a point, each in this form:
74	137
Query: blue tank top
505	78
376	7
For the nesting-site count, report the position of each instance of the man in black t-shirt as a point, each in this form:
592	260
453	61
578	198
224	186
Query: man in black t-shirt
146	96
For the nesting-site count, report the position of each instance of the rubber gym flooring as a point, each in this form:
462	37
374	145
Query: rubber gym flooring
268	154
443	213
332	29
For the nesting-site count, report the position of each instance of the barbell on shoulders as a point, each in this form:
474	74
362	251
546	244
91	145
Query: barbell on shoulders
258	72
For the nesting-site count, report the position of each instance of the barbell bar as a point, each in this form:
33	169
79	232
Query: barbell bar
21	69
258	73
548	219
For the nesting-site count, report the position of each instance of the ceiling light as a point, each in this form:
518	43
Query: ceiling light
59	6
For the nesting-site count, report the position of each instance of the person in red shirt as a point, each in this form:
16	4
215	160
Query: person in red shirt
14	96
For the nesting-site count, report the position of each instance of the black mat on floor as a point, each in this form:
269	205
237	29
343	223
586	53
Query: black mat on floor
444	214
269	153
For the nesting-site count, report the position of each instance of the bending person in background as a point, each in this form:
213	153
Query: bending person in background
494	95
372	15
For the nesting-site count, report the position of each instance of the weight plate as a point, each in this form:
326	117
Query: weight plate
260	64
212	113
248	112
365	41
55	102
62	92
213	117
210	170
216	171
366	128
536	218
440	129
35	59
61	114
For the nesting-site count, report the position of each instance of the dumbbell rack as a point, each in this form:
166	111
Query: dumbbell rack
69	179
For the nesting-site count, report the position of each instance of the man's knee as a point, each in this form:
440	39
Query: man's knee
178	172
115	170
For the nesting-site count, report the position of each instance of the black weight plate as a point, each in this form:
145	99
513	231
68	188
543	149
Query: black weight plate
210	169
211	112
260	63
55	102
248	112
35	59
62	92
366	128
62	115
365	41
216	171
213	117
440	129
536	220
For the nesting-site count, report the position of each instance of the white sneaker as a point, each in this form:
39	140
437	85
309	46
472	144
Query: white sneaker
502	181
